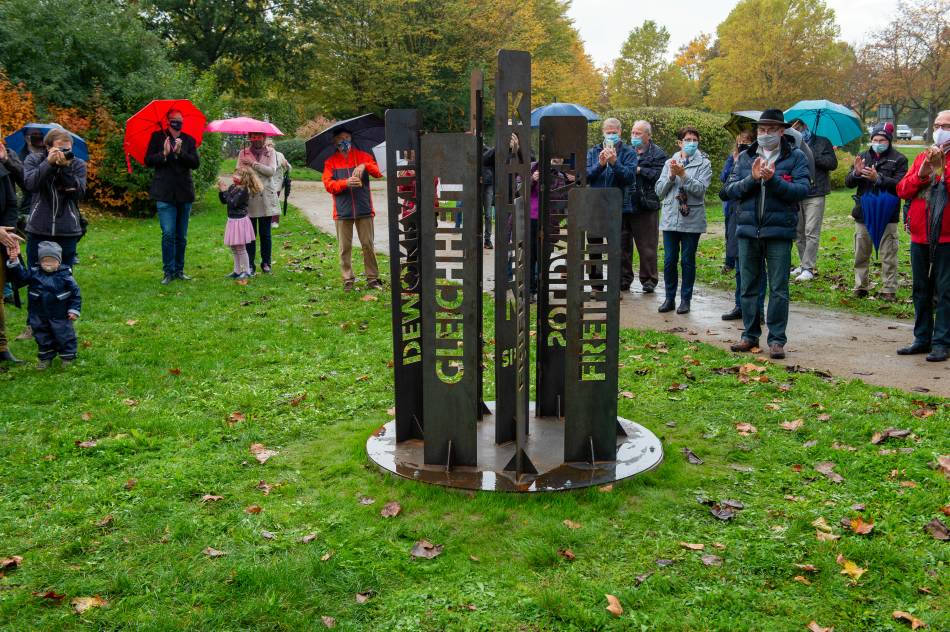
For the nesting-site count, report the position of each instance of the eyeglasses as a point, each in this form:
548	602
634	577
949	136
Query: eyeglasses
944	126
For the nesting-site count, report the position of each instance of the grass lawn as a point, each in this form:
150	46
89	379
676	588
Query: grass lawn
163	371
297	173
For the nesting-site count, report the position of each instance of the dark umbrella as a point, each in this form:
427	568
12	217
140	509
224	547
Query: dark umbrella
742	120
878	208
367	131
286	188
561	109
17	140
936	201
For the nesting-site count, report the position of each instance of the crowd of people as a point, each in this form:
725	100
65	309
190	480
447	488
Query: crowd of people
774	186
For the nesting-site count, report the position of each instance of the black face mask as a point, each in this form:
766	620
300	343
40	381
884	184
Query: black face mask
36	141
175	125
743	147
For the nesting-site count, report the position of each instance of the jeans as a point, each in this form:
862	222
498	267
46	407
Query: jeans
776	255
762	288
732	246
262	226
679	246
173	218
931	322
68	244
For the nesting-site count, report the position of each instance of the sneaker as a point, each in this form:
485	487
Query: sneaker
232	276
805	276
375	284
348	286
42	365
796	271
26	334
860	293
265	268
167	279
66	363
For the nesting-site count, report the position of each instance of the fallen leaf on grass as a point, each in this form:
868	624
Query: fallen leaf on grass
570	524
326	556
859	526
567	554
81	604
295	401
130	402
639	579
923	413
264	487
50	595
937	529
131	322
175	371
310	537
426	550
849	568
824	417
822	524
692	547
328	622
663	563
691	457
267	535
235	417
86	416
793	425
606	488
209	498
212	552
366	298
390	510
91	443
750	368
10	563
363	597
821	536
889	433
745	429
627	394
900	615
943	465
908	484
613	606
129	484
366	500
801	579
827	468
814	627
261	453
711	560
105	521
945	510
808	568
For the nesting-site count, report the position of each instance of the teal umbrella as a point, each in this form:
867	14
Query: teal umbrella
837	123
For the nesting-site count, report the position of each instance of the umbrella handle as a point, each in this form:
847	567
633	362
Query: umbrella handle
128	162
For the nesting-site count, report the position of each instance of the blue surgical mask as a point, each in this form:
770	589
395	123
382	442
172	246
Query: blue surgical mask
690	147
879	148
344	145
636	141
806	134
613	139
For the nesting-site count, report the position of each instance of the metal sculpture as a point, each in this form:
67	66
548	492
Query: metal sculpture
444	432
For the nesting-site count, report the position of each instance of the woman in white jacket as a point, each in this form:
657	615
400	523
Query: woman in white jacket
682	190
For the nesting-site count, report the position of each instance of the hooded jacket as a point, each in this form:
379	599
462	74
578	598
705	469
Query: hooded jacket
768	210
350	203
54	206
891	167
916	189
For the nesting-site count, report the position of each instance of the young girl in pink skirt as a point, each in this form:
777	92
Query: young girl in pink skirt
239	232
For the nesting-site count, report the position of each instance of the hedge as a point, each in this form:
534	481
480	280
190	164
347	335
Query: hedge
715	141
294	150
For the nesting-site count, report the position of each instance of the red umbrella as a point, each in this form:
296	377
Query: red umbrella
150	119
243	125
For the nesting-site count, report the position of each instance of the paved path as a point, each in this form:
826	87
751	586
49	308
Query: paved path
843	344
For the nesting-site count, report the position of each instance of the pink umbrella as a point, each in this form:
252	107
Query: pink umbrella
243	125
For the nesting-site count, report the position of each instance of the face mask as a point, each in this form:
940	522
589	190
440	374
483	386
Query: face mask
743	147
690	147
941	137
175	125
636	141
344	145
879	148
769	141
613	139
36	141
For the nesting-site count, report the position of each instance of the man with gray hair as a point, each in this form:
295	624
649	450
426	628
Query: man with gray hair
641	226
611	164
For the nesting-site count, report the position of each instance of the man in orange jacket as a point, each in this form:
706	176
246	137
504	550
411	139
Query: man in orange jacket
346	177
926	185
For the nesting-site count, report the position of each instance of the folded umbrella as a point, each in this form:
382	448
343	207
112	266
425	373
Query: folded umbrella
742	120
153	118
936	202
366	131
243	125
837	123
561	109
17	140
878	208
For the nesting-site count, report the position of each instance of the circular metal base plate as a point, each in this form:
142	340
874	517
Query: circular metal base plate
639	451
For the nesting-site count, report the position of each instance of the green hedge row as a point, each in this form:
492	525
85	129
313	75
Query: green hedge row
294	150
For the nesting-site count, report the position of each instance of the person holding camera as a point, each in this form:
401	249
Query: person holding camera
57	181
173	155
11	170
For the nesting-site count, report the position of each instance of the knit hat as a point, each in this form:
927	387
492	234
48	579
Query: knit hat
774	117
883	129
49	249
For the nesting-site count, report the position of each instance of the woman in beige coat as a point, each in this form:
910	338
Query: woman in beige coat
263	205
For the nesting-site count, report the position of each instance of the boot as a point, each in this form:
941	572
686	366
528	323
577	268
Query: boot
668	306
6	356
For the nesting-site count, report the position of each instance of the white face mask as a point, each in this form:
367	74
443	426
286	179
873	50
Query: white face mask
941	137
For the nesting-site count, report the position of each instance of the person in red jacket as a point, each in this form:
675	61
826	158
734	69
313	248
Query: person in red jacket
346	177
926	185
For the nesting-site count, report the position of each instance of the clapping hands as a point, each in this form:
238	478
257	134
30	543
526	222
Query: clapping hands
762	170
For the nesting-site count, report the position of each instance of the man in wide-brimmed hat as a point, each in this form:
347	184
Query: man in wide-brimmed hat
769	180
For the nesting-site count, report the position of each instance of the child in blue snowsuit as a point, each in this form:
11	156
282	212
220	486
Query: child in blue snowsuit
54	302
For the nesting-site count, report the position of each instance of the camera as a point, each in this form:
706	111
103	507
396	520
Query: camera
67	154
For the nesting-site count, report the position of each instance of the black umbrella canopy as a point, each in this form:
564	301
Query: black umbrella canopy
367	131
744	119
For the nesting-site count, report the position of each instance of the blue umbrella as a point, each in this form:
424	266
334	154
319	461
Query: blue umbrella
561	109
835	122
878	208
17	140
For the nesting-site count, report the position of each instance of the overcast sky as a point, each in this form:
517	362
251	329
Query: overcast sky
605	24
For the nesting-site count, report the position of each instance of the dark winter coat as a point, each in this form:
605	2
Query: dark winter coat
348	202
236	199
52	296
11	173
56	191
172	181
768	210
891	167
621	174
825	162
649	167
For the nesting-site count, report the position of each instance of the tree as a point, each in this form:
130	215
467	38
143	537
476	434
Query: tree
635	77
772	53
693	59
915	54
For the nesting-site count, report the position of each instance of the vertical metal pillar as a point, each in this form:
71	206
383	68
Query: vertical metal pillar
476	113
